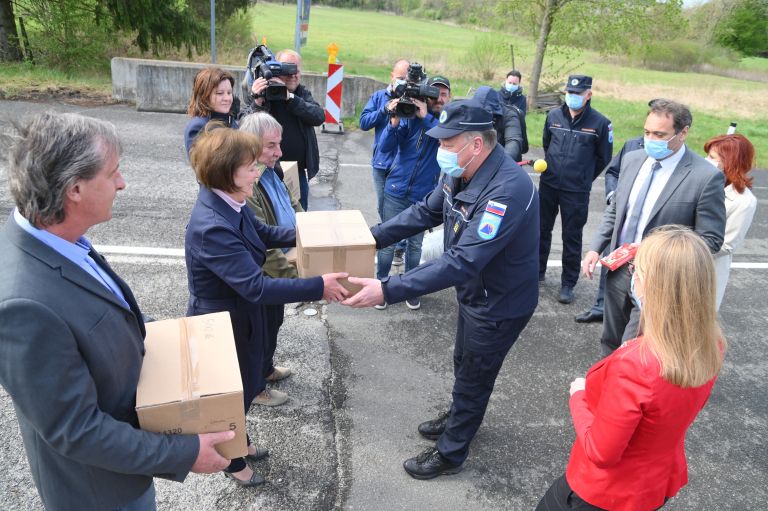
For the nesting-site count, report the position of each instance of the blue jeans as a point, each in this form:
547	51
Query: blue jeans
379	178
393	206
146	502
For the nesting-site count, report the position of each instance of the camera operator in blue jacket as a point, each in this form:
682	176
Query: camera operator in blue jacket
414	172
375	116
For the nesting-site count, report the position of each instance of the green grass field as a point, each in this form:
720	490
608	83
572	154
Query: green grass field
370	42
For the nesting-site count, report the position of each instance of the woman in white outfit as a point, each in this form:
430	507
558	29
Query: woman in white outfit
734	155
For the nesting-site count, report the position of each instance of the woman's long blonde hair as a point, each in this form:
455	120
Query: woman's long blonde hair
678	316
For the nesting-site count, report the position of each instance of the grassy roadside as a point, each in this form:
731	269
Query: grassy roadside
369	42
22	80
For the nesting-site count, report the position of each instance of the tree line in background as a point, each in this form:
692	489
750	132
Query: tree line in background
658	34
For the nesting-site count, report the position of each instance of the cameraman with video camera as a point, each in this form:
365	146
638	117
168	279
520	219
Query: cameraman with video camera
414	110
275	88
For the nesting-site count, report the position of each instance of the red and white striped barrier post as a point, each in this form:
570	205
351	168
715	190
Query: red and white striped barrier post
333	92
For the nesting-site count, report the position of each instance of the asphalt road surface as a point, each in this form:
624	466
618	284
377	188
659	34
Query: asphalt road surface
365	378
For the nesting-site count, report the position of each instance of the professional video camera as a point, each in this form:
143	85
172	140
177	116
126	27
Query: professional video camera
263	64
415	87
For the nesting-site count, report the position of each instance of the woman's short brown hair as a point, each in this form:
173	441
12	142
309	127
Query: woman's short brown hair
206	81
218	152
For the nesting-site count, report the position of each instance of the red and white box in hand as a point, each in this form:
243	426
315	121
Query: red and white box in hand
620	256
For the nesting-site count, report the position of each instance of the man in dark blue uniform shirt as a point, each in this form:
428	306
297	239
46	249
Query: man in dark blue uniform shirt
578	144
489	207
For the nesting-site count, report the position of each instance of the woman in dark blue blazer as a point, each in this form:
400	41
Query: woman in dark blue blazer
225	248
212	99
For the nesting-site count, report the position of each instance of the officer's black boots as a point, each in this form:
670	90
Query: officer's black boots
566	295
430	464
434	428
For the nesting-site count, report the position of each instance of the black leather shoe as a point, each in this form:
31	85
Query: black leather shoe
566	294
434	428
430	464
255	480
589	317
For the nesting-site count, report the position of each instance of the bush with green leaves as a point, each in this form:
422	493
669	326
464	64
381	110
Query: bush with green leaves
486	55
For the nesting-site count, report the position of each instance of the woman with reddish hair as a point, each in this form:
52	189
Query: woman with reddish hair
212	100
734	155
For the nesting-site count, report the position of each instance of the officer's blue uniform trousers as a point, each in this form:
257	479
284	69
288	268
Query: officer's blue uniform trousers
478	355
491	239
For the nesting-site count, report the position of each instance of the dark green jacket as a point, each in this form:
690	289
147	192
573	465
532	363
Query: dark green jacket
276	265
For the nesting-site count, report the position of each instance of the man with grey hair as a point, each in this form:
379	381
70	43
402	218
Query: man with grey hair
490	209
664	184
273	205
71	332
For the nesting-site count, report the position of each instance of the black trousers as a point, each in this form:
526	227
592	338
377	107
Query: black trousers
574	208
274	318
478	355
621	319
560	497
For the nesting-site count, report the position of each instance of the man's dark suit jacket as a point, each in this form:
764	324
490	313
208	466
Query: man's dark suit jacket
70	357
693	197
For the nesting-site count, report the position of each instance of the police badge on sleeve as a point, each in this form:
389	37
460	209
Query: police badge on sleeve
491	220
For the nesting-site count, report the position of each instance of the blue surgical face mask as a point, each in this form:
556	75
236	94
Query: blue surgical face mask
511	87
574	101
658	149
449	161
633	294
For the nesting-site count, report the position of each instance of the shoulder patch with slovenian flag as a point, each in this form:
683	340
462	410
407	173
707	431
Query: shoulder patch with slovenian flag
491	220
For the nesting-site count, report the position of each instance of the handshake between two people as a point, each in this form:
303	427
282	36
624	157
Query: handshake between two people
333	291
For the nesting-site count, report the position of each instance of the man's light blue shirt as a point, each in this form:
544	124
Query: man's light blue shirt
75	252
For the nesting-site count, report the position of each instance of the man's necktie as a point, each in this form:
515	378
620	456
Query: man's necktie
637	209
101	268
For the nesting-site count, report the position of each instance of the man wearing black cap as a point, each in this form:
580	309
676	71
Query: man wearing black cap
489	207
414	171
578	144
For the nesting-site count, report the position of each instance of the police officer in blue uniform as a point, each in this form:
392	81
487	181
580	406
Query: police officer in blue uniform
489	207
578	144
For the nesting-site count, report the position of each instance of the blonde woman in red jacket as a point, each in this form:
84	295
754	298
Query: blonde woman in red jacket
633	409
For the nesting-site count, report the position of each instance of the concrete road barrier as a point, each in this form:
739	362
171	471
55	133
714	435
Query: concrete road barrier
166	86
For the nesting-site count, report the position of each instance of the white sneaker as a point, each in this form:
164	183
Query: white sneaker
380	306
399	258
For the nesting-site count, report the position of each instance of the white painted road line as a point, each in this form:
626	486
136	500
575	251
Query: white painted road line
146	260
140	251
141	255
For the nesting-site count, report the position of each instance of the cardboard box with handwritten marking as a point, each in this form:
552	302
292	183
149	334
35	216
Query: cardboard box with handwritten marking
190	380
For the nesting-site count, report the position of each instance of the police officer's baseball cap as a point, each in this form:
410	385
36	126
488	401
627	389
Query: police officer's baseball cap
460	116
578	83
439	80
